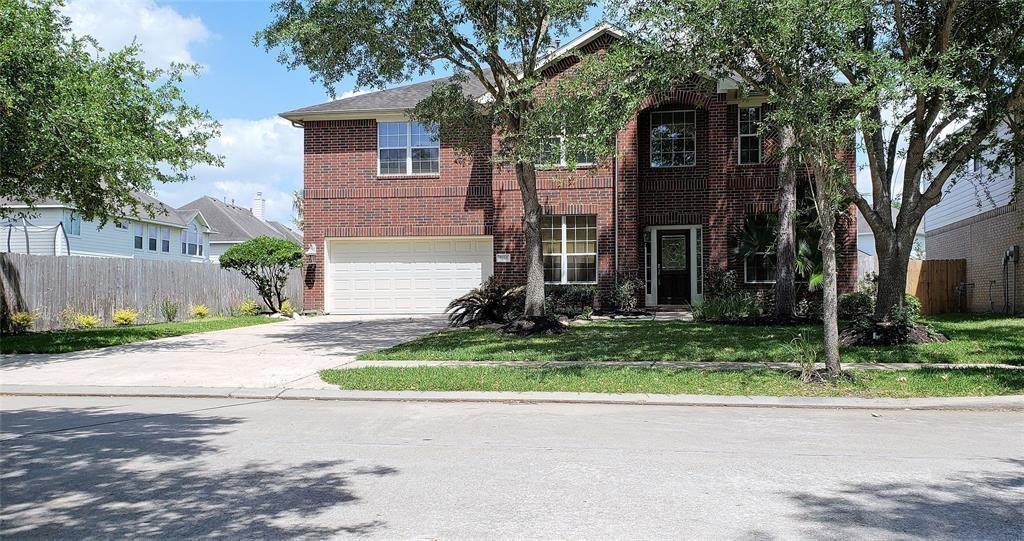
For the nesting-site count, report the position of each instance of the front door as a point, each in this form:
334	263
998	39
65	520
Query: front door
674	267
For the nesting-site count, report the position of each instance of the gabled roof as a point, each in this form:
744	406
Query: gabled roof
162	213
232	223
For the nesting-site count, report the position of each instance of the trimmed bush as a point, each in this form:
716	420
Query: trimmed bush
625	296
199	311
22	322
569	300
249	308
490	302
854	306
125	317
719	282
86	321
287	308
265	261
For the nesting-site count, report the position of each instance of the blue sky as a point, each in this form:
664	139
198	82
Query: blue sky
241	85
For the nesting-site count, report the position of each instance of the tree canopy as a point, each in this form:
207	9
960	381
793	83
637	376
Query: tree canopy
87	127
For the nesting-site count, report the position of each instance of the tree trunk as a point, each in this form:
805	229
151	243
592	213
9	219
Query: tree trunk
526	175
893	260
829	290
785	244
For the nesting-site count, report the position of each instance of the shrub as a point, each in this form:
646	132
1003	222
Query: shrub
490	302
169	309
249	308
913	306
199	311
287	308
733	308
719	282
569	300
22	321
265	261
857	305
125	317
86	321
625	295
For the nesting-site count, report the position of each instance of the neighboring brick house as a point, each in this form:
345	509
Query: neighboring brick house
402	223
979	220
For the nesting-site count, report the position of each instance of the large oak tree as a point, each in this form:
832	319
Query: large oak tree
499	43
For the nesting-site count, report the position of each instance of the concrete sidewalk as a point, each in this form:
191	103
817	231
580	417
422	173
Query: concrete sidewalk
1000	403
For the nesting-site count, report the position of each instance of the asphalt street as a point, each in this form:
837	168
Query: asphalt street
177	468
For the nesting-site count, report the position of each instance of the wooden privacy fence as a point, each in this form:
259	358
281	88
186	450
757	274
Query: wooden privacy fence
935	282
48	285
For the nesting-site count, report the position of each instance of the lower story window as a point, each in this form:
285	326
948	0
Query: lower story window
759	268
570	249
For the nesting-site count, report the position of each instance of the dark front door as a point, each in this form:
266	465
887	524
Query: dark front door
674	267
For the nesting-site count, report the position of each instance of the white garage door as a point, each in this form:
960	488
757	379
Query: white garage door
403	276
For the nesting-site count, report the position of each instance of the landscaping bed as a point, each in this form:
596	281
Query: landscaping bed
757	382
973	339
100	337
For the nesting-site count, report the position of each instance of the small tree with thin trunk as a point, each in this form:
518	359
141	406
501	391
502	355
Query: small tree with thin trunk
500	45
266	262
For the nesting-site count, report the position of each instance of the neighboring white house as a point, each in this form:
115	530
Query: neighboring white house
233	224
55	228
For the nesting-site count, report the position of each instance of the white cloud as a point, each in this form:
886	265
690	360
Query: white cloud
164	34
259	156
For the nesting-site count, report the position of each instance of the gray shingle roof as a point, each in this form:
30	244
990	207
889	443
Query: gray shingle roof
400	98
231	223
162	212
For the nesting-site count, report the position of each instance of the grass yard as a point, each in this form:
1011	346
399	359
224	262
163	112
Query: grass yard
973	339
101	337
761	382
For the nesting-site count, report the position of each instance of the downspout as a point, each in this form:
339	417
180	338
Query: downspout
615	206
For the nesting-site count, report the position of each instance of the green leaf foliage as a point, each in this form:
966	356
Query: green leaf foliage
85	126
265	261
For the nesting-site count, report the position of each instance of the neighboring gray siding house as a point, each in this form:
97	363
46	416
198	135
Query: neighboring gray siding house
55	228
978	220
233	224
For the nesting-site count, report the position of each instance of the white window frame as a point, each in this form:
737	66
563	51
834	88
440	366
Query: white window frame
650	149
188	235
746	273
562	161
564	253
72	222
408	150
756	134
153	238
122	225
165	239
139	233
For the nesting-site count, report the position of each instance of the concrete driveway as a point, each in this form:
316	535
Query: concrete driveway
284	354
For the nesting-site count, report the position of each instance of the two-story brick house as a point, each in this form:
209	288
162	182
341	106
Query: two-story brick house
401	222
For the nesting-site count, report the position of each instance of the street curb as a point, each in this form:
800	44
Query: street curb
1001	403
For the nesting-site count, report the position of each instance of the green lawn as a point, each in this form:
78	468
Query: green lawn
974	339
762	382
101	337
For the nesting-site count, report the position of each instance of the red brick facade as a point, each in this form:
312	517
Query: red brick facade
346	198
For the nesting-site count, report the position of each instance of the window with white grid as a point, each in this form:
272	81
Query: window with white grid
673	138
570	249
407	148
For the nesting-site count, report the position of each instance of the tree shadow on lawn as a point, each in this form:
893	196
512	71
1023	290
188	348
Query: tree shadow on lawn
93	472
968	506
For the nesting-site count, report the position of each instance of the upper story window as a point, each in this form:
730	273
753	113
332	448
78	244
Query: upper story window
191	240
165	239
570	249
673	138
138	236
407	148
553	154
122	225
750	135
152	238
72	222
